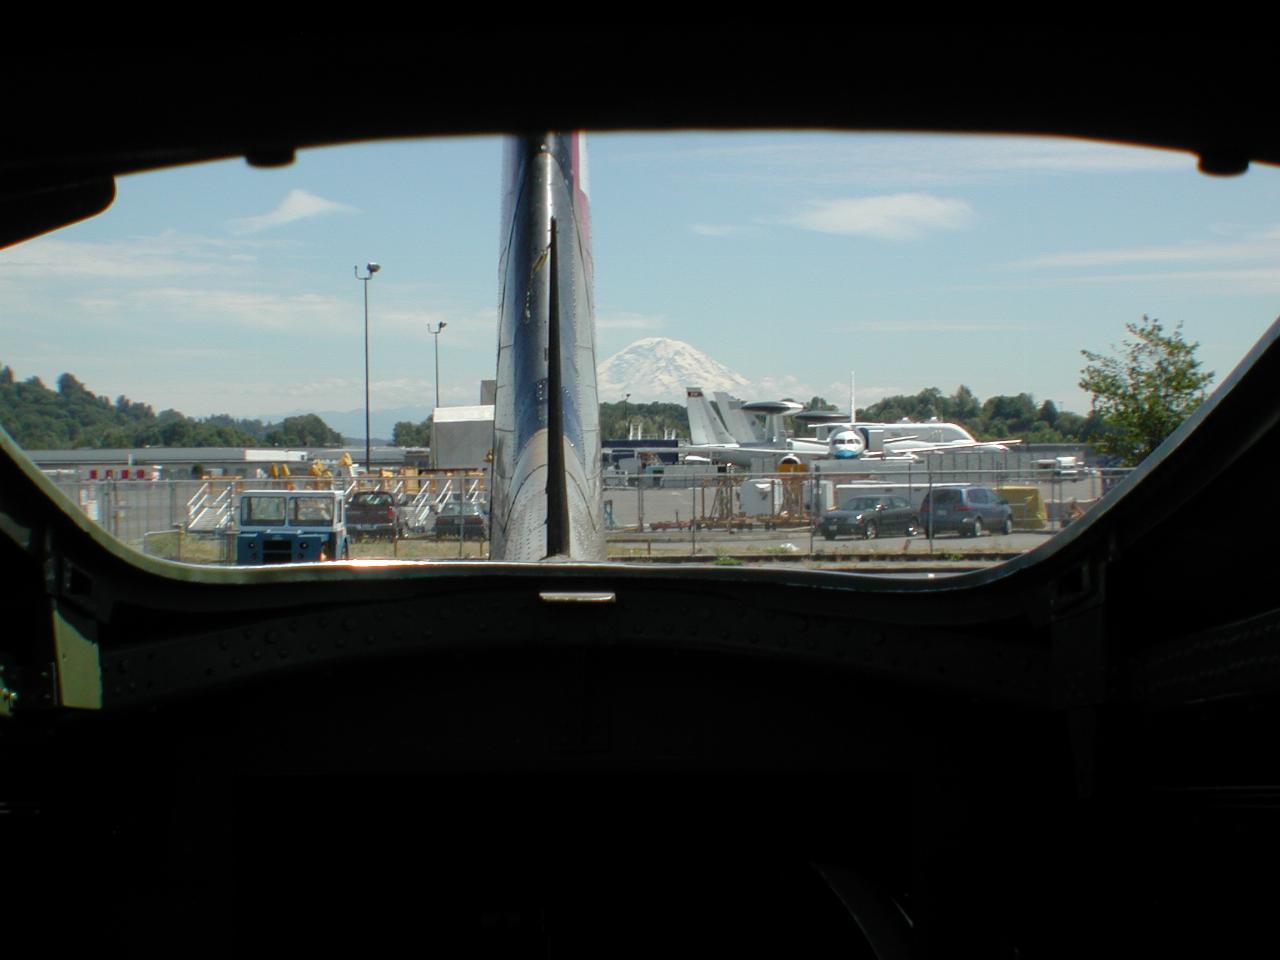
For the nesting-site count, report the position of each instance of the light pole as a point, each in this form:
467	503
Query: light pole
625	422
436	333
370	269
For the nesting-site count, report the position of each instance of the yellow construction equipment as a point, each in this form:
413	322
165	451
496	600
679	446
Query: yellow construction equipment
1028	509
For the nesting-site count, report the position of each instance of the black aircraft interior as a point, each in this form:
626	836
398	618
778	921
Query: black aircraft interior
1069	755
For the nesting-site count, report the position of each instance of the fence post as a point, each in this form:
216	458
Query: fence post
115	509
693	520
929	497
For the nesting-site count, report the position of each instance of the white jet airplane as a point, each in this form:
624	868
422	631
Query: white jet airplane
842	440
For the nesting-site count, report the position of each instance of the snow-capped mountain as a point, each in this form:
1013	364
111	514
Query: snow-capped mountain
659	369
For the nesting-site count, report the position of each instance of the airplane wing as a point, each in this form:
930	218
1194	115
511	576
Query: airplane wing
860	452
944	447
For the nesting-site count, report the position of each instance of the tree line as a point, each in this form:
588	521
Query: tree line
71	416
1000	417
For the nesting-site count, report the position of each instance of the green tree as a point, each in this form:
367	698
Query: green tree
963	405
303	431
1144	391
653	419
406	433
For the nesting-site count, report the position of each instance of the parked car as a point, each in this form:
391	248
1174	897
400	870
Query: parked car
375	513
870	517
968	511
465	519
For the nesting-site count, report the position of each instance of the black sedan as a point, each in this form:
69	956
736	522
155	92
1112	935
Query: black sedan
870	517
460	519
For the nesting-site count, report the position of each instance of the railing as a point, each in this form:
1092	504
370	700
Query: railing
196	503
205	515
420	508
445	494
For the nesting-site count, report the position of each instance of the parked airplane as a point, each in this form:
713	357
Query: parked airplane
709	437
744	429
837	438
876	440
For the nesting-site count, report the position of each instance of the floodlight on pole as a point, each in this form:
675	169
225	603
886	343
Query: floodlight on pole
436	333
370	269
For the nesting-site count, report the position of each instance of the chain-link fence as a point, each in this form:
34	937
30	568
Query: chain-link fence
702	511
719	513
196	520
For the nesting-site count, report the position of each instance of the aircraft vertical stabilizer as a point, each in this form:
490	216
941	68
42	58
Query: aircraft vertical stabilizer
743	428
705	427
546	495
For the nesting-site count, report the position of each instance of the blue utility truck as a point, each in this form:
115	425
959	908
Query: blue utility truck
291	526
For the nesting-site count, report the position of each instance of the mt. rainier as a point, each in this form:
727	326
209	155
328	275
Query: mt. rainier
659	369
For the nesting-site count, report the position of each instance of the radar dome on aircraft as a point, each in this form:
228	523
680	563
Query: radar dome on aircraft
813	417
773	408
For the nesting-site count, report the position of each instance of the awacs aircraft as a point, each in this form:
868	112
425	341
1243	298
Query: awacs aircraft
709	437
842	441
1051	758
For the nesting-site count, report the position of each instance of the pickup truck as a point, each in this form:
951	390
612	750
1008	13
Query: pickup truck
375	513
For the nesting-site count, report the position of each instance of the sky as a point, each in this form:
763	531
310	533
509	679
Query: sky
794	258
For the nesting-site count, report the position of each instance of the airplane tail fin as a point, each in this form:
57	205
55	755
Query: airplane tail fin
545	496
704	426
744	429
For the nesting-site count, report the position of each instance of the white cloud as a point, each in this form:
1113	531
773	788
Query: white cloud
1243	281
1060	155
398	391
918	159
925	326
775	388
138	258
297	205
1172	253
630	321
306	313
901	216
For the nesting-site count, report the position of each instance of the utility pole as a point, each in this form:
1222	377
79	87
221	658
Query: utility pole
436	333
370	269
